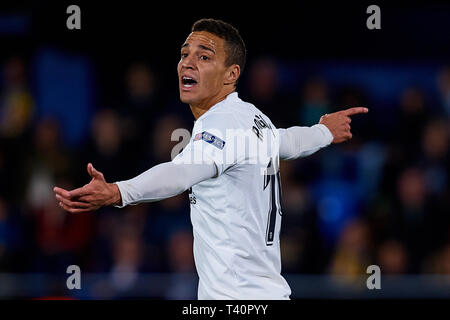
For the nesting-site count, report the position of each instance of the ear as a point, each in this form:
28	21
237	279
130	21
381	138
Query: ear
232	74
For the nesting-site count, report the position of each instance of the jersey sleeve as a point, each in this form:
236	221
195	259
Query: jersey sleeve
296	142
162	181
211	142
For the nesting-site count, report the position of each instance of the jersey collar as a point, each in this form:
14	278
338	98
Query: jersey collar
229	98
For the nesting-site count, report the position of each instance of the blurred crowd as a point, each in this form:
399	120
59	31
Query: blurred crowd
382	198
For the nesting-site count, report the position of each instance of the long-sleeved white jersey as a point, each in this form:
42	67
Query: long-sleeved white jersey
231	164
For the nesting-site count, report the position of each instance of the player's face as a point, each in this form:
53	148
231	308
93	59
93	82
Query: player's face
201	70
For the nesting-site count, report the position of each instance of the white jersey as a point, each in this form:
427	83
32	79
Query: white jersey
236	216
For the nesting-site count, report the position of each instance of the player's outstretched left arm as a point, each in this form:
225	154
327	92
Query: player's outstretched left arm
339	123
296	142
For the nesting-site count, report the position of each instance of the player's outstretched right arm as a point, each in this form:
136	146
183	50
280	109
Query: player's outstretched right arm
159	182
163	181
95	194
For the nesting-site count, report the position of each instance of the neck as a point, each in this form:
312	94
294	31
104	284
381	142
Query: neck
201	107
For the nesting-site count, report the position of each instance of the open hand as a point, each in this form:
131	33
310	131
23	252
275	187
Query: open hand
95	194
339	123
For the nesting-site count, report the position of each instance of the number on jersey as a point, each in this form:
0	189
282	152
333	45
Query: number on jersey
272	180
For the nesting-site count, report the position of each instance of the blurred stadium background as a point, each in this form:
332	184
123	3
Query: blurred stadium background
108	94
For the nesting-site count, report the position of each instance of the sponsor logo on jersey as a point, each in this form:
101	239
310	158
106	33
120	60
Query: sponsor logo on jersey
192	198
210	138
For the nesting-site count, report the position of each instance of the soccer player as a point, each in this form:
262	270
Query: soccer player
230	166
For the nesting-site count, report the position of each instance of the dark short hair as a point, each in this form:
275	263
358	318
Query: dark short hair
235	47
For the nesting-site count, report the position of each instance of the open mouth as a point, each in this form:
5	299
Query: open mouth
188	82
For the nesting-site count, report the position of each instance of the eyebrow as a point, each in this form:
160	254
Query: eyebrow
200	46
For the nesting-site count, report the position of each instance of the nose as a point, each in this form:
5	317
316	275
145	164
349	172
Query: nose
187	63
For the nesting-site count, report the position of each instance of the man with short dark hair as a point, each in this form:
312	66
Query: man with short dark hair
230	166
